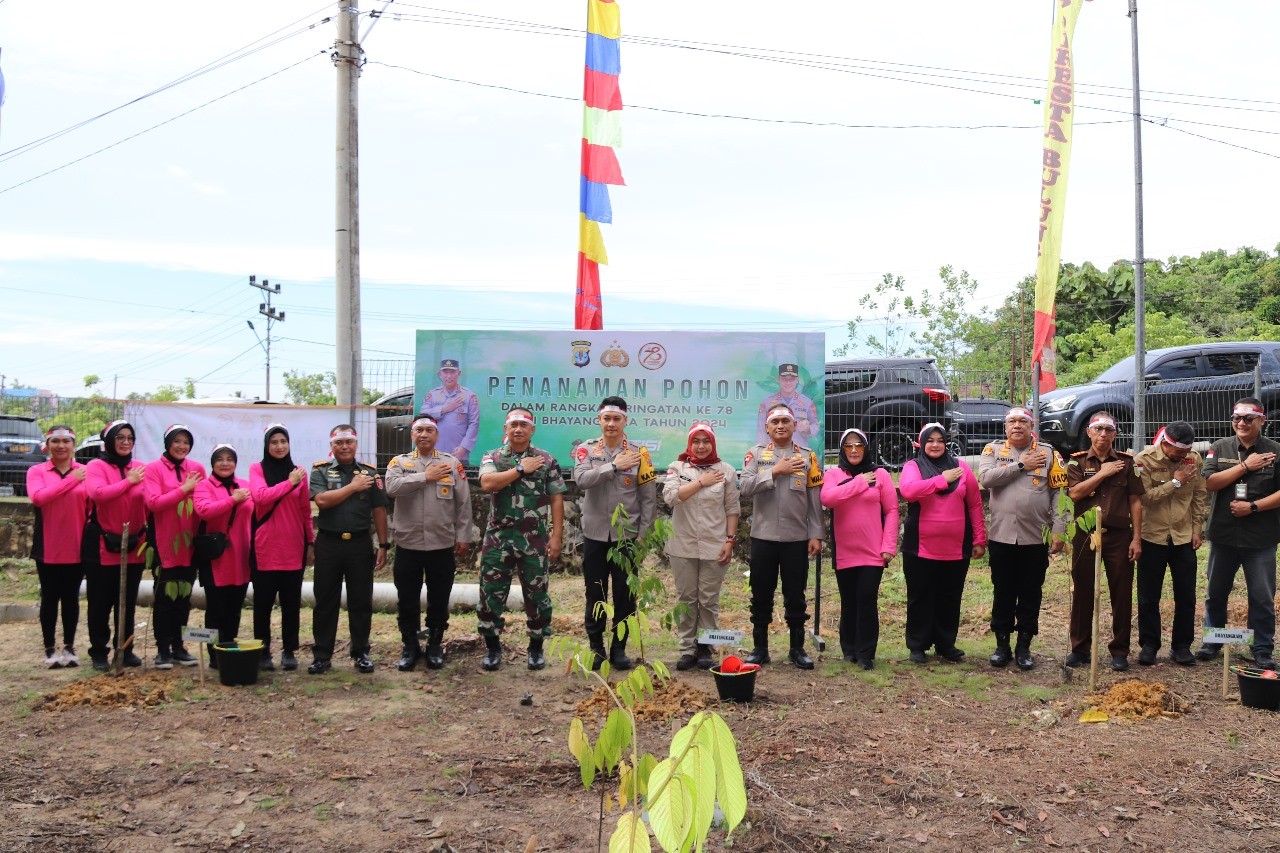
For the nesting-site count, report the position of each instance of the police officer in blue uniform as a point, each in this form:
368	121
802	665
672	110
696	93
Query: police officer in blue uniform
455	410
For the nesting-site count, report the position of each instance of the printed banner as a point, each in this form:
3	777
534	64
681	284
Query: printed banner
669	380
1059	107
242	427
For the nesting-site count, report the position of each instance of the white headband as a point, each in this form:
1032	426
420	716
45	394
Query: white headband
518	417
60	432
172	428
1246	409
860	433
780	410
341	433
224	447
1163	435
1018	412
612	408
702	426
1102	420
269	427
422	419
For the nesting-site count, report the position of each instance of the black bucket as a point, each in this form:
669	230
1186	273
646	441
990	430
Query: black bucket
735	686
237	665
1257	691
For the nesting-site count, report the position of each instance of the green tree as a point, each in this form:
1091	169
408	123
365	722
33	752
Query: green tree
318	389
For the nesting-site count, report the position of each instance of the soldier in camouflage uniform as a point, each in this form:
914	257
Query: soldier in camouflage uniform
522	481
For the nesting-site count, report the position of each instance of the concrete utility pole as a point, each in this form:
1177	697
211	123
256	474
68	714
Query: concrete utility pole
267	310
348	57
1140	260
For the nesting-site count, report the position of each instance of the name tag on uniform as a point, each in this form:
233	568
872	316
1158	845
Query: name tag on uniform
1242	490
444	488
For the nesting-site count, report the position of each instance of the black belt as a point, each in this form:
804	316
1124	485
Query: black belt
343	534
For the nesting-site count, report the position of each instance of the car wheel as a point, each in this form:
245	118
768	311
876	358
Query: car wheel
958	444
894	444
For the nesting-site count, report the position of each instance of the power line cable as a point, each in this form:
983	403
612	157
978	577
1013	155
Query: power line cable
163	123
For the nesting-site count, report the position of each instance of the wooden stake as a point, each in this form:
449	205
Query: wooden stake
1096	540
120	604
1226	669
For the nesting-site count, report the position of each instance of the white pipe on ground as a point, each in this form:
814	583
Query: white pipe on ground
464	597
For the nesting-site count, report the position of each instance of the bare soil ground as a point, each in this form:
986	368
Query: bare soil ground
940	756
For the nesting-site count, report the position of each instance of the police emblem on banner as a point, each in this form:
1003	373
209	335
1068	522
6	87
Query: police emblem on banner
615	356
581	353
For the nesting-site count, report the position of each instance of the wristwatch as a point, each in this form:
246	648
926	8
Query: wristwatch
386	546
520	468
1253	506
1021	467
1177	484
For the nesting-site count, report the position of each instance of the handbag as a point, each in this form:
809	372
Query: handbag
208	547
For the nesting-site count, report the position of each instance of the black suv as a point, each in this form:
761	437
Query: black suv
1196	383
20	439
890	399
976	422
394	416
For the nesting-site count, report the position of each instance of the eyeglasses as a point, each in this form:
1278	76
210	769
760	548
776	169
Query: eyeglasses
1102	428
1244	419
854	445
127	438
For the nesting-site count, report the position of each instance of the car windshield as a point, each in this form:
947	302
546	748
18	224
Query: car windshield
21	428
1121	371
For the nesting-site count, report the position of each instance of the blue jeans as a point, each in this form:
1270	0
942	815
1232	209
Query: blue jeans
1259	566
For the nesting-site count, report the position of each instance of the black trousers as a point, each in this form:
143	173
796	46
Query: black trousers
771	562
597	571
171	614
859	610
267	587
411	570
1017	584
103	593
934	589
222	609
340	561
59	590
1181	562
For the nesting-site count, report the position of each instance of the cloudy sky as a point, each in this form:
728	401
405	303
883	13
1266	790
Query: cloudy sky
780	159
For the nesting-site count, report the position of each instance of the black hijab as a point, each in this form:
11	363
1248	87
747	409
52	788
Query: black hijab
930	468
867	464
274	470
228	483
109	454
170	434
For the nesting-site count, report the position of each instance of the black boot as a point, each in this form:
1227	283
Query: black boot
797	655
1001	656
760	654
598	654
618	655
704	657
435	649
1022	654
493	653
409	657
536	660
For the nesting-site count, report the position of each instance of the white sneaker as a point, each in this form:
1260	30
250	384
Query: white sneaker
69	658
52	658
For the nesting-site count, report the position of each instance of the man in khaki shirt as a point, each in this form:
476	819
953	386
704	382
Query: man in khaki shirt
1174	504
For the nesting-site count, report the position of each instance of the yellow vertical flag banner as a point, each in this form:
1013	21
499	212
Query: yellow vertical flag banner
1059	107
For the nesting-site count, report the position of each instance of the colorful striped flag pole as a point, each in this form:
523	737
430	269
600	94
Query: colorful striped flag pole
601	139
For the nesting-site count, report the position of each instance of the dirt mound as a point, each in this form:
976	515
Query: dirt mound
670	699
1137	700
105	691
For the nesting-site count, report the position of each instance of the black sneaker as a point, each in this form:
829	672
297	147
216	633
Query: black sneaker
1182	655
918	656
181	656
705	661
319	667
952	654
363	664
1263	660
1208	651
687	662
1075	660
1147	656
867	664
99	661
1119	663
288	662
163	660
132	660
266	664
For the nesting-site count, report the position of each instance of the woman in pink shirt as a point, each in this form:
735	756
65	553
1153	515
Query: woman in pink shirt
282	532
56	489
168	485
944	530
113	483
864	533
224	505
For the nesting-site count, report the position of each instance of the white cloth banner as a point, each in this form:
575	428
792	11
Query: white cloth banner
242	427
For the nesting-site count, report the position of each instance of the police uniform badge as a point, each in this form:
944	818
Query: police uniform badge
580	454
645	473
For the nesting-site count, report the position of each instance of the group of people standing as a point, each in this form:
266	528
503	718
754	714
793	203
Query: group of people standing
224	532
186	523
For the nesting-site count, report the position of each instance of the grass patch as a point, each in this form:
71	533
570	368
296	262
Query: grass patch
1038	693
265	804
323	811
964	679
